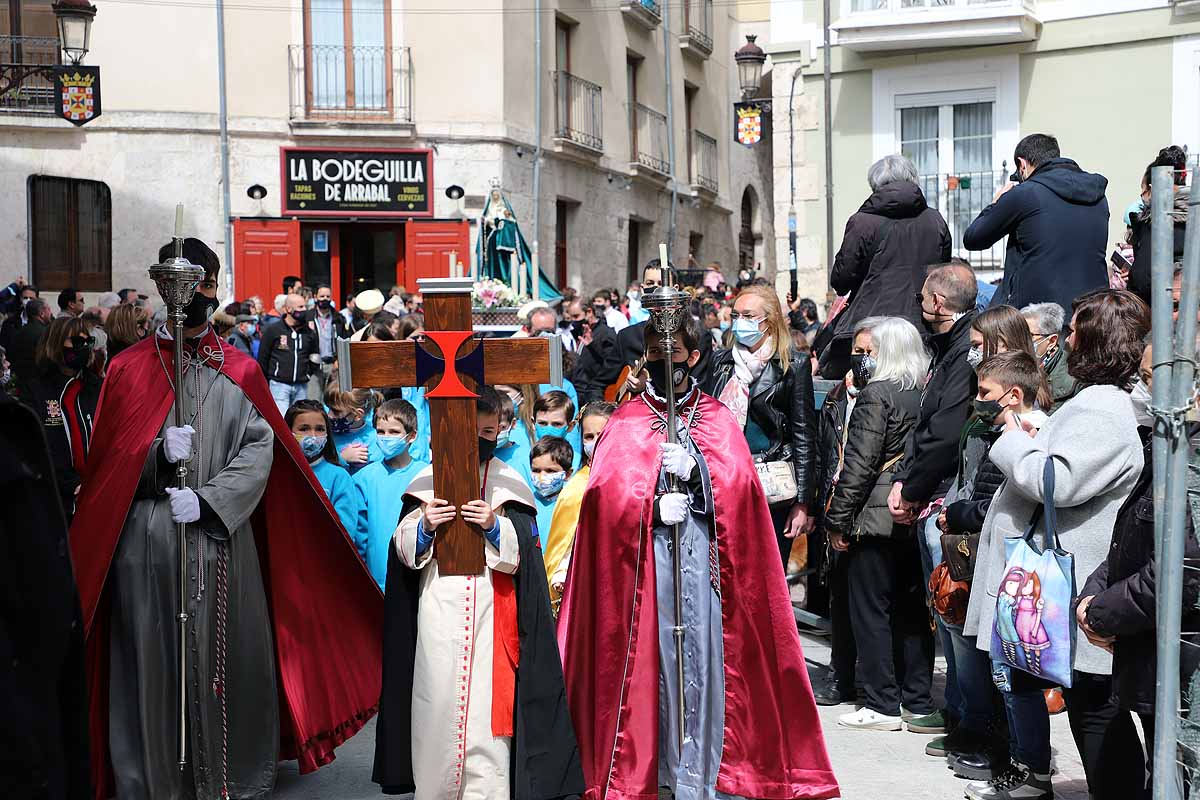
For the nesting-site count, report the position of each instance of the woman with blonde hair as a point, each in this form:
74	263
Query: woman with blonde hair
126	325
767	384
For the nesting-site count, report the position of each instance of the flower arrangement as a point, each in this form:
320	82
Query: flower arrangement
490	293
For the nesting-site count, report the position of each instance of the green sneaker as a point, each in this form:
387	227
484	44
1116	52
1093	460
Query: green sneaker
936	747
930	723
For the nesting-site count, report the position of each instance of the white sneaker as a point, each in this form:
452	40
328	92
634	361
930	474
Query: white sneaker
867	720
1015	783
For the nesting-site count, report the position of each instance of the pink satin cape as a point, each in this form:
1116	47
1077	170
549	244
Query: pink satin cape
608	628
326	610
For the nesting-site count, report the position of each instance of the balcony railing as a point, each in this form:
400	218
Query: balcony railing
704	162
25	86
860	6
698	18
649	139
330	82
579	111
960	197
646	13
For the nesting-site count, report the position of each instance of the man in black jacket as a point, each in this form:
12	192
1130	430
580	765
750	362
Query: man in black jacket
1056	221
23	350
589	373
329	326
288	353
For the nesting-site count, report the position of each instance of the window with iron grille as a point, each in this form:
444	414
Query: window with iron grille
70	233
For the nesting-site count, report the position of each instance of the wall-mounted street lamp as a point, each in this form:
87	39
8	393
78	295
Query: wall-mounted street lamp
750	59
74	18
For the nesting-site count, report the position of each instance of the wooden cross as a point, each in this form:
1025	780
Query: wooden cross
437	364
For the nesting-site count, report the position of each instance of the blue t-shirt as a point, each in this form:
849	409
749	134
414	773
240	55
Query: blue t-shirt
339	486
545	513
381	494
364	435
575	435
419	449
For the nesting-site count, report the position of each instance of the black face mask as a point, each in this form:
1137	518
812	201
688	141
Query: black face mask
76	358
487	447
987	410
324	305
660	380
196	312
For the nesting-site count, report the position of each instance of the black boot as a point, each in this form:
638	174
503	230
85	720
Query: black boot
832	694
991	758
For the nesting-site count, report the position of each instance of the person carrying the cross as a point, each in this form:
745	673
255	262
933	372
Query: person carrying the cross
473	699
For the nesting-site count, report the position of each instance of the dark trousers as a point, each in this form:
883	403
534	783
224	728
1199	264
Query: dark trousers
1028	719
843	653
1106	738
779	515
891	624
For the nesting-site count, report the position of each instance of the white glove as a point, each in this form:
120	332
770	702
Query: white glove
676	460
185	505
177	443
673	508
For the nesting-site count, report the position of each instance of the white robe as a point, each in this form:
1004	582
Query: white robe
454	752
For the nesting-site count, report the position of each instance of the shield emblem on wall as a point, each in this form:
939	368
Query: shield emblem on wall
748	123
78	93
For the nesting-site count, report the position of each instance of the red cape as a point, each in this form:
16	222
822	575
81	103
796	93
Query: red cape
326	610
608	628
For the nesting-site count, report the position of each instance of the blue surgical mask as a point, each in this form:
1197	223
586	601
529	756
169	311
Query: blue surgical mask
312	446
747	332
503	438
724	326
549	485
551	430
392	446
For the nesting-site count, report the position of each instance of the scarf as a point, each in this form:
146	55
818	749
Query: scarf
748	367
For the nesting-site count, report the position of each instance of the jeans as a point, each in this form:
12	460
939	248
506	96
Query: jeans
929	542
890	624
1106	738
973	674
1028	719
284	394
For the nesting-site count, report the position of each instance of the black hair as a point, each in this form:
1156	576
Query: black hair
689	334
598	408
809	309
1037	149
288	282
321	286
196	252
557	448
66	297
379	331
488	401
329	453
400	410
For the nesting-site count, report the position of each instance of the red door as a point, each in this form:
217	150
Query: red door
427	244
265	250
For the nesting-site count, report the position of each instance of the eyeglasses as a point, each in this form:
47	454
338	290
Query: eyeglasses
920	298
735	316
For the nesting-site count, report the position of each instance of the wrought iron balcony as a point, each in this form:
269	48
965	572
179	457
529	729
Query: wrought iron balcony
704	163
354	84
697	37
960	197
25	83
649	140
579	112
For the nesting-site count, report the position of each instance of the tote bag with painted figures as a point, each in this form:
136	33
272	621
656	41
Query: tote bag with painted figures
1034	627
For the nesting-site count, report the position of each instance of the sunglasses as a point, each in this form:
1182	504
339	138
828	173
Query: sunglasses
82	342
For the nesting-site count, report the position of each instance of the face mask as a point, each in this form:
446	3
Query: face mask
747	332
487	448
6	377
863	366
1140	395
341	425
559	432
76	358
632	295
196	312
660	380
577	328
312	445
549	485
987	410
724	326
589	448
392	446
298	316
324	305
975	357
852	391
503	439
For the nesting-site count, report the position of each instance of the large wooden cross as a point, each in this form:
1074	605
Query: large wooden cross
438	365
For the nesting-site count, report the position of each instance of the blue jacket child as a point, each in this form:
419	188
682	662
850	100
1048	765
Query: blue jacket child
310	425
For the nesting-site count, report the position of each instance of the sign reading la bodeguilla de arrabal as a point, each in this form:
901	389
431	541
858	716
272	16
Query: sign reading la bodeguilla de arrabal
335	181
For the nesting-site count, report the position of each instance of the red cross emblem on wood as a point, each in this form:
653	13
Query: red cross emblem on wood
449	363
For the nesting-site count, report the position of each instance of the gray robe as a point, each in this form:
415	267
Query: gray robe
691	775
229	469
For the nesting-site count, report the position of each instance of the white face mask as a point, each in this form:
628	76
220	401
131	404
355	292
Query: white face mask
589	448
1140	395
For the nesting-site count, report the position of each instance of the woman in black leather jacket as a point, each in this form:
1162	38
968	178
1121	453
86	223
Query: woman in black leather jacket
887	600
768	387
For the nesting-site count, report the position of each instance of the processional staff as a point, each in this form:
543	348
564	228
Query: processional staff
176	279
667	306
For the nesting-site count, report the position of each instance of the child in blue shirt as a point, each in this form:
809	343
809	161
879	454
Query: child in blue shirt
554	415
351	425
550	465
381	484
310	426
512	442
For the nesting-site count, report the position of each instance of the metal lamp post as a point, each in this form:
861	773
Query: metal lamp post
750	59
74	18
176	279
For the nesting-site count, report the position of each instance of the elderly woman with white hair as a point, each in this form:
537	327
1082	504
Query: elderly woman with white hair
886	591
889	242
1046	322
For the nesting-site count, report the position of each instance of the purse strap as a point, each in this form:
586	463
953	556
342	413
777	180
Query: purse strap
1046	510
